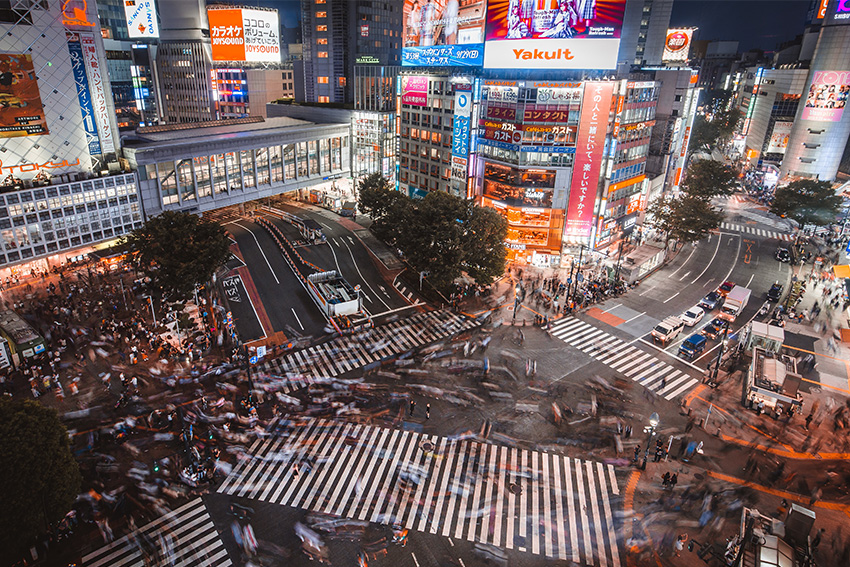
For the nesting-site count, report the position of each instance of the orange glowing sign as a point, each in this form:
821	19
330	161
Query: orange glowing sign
74	13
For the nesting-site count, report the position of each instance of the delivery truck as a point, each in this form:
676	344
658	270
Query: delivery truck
735	303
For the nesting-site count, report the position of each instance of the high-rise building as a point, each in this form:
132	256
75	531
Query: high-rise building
819	137
645	26
339	34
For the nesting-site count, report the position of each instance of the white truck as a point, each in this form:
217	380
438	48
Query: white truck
735	303
667	330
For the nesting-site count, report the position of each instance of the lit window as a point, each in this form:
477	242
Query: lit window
321	14
320	1
322	41
322	80
321	28
324	99
323	54
341	81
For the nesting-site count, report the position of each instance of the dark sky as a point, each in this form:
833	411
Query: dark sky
762	24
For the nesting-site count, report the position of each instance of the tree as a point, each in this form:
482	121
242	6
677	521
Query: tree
707	178
384	205
684	218
178	251
38	473
807	201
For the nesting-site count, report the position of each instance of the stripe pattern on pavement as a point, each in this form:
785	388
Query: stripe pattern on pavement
618	355
185	537
543	503
349	352
756	231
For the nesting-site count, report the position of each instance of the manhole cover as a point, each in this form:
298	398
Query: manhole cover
427	446
514	488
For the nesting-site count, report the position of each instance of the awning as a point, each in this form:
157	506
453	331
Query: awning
842	271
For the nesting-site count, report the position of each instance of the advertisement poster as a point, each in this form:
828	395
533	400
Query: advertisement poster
588	161
414	91
677	45
99	101
553	34
141	19
245	34
827	96
21	112
443	33
75	50
779	138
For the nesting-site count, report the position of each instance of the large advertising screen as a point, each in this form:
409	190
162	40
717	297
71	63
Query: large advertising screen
827	96
779	138
141	19
677	45
588	161
21	111
244	34
553	34
443	33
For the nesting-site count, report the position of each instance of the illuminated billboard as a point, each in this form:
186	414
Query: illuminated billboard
553	34
442	33
779	138
827	96
677	45
21	111
244	34
141	19
414	90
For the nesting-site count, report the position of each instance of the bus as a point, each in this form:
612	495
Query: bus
22	338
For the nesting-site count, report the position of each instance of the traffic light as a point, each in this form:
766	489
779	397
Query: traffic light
156	466
690	546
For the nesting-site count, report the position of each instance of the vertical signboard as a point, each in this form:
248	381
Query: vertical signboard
414	90
588	161
141	19
677	45
21	111
98	92
460	131
779	138
81	80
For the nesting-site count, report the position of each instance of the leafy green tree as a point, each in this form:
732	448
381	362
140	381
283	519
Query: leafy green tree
807	201
384	205
178	251
38	473
684	218
707	178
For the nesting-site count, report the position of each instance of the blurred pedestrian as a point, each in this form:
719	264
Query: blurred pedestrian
680	544
427	411
412	406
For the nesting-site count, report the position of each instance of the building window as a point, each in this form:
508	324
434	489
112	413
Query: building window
321	28
321	14
322	80
322	41
323	54
324	99
342	81
320	1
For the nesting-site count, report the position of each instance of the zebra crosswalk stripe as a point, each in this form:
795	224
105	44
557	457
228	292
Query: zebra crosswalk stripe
465	488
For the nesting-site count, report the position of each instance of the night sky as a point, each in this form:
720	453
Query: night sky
762	24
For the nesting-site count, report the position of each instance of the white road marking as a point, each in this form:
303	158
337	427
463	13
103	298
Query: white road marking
671	297
296	318
261	250
719	240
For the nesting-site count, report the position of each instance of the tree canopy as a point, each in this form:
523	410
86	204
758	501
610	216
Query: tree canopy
707	178
807	201
441	235
39	475
716	129
684	218
178	251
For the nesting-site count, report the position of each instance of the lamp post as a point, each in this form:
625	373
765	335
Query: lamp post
654	420
723	343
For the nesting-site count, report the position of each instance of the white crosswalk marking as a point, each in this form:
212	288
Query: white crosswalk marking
185	536
546	504
759	231
618	355
344	354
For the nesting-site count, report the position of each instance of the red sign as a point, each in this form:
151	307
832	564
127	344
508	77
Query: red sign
595	106
501	113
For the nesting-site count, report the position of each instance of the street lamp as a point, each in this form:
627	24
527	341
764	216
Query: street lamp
654	420
713	381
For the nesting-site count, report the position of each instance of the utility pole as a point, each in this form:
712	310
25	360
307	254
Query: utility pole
720	354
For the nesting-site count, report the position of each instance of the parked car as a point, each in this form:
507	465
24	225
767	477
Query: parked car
725	288
692	346
715	328
711	301
783	255
692	316
775	292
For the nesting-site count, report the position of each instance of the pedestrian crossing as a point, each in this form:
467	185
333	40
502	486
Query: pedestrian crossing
756	231
185	536
733	198
349	352
404	291
618	355
532	501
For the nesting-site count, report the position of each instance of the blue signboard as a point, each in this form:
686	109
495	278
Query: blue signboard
497	144
84	94
465	55
460	136
549	149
